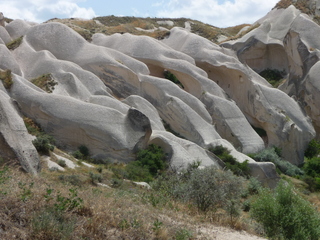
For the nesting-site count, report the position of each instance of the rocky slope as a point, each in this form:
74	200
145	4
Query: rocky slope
110	92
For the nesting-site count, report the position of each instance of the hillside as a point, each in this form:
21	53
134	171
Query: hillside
103	90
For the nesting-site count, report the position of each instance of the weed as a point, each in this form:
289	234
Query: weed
14	43
95	178
69	203
6	78
26	191
31	126
157	225
44	143
62	163
183	234
45	82
72	179
51	224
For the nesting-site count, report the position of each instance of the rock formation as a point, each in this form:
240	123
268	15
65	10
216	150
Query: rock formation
113	94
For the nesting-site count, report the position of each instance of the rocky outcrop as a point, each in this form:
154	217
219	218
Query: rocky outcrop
112	95
286	124
15	142
287	41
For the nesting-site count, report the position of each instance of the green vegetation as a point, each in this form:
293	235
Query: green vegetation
6	78
286	215
45	82
313	149
149	163
272	155
44	143
14	43
273	76
239	169
170	76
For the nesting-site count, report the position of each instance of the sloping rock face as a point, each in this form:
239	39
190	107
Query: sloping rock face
286	40
112	96
285	123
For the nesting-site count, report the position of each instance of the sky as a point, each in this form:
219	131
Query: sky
219	13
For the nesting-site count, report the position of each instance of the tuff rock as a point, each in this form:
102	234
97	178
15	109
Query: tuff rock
112	95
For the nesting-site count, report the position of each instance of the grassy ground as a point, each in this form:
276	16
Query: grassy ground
71	205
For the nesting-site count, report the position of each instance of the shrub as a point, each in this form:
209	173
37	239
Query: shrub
72	179
45	82
211	188
84	150
44	143
95	177
313	149
272	155
312	167
153	158
77	154
239	169
137	172
170	76
183	234
62	163
6	78
273	76
51	224
15	43
285	215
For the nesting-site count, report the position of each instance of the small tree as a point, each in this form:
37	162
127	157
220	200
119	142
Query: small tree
286	215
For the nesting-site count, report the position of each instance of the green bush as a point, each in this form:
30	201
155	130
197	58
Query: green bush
137	172
272	155
313	149
62	163
77	154
84	150
44	143
153	158
170	76
211	188
51	224
273	76
95	178
312	167
285	215
72	179
239	169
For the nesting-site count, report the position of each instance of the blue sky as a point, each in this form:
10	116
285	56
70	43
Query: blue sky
219	13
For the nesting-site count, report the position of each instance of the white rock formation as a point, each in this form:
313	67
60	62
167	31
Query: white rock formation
158	57
286	124
111	95
15	142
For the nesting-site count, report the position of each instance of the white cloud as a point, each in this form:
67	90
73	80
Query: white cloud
42	10
228	13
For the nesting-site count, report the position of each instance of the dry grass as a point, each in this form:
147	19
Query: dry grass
27	209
